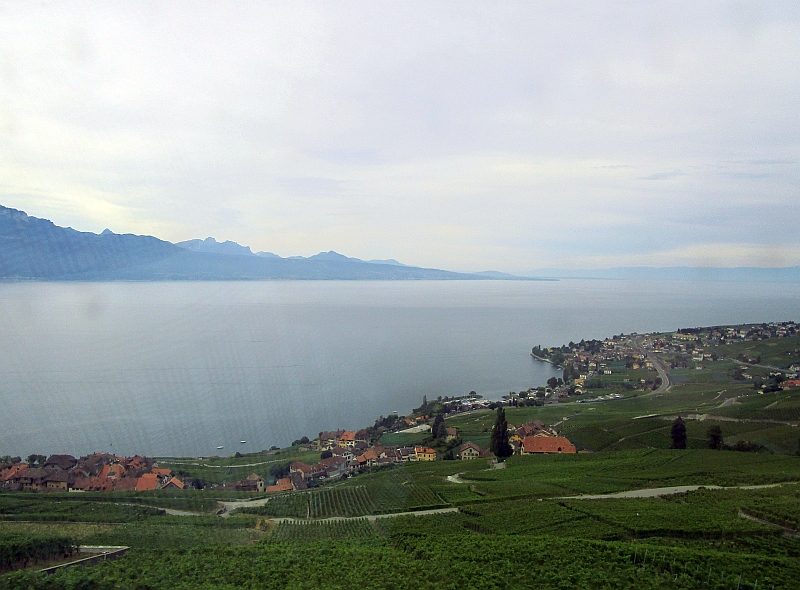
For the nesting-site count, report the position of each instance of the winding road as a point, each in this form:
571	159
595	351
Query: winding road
660	366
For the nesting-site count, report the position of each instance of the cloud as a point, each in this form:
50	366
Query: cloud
465	136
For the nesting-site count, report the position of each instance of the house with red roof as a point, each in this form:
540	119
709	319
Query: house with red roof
425	454
303	469
126	484
534	445
282	485
348	439
173	484
149	481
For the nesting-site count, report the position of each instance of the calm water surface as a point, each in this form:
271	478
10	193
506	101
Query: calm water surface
179	368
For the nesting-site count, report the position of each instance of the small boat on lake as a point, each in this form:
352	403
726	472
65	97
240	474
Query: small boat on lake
220	447
241	442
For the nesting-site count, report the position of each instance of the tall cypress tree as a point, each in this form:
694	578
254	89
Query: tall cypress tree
498	442
678	434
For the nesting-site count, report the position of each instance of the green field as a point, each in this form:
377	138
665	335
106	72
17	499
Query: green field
508	520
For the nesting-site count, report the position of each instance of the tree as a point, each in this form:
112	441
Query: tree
498	442
439	430
678	434
715	438
279	470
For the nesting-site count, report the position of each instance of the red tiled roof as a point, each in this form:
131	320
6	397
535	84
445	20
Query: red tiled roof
300	466
282	485
125	483
16	471
81	483
174	482
149	481
547	444
100	484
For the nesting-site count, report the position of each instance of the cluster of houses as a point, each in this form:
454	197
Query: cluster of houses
348	453
99	472
344	453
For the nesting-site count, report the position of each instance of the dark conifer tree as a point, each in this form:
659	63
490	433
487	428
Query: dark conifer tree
438	430
678	434
498	443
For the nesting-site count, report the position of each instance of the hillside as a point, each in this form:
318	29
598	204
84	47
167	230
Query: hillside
633	513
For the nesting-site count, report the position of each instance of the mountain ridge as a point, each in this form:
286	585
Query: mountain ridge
32	248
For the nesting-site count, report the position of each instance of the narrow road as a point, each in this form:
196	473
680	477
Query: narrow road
220	466
759	366
227	507
370	517
660	366
654	492
170	511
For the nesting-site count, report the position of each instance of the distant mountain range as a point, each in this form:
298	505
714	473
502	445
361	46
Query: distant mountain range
37	249
213	246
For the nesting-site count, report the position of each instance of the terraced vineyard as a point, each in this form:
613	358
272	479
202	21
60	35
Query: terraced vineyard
19	550
309	531
343	501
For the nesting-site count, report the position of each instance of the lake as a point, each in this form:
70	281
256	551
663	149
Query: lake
178	368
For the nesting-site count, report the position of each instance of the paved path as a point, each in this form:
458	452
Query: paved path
415	429
227	507
771	367
170	511
370	517
220	466
655	492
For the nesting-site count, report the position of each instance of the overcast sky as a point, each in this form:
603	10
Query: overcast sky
467	136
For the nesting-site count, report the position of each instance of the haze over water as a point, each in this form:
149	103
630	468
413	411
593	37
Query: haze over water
178	368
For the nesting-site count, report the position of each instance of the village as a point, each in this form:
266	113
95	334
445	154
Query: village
587	362
343	453
98	472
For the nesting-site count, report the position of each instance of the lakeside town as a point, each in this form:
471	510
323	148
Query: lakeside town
623	364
